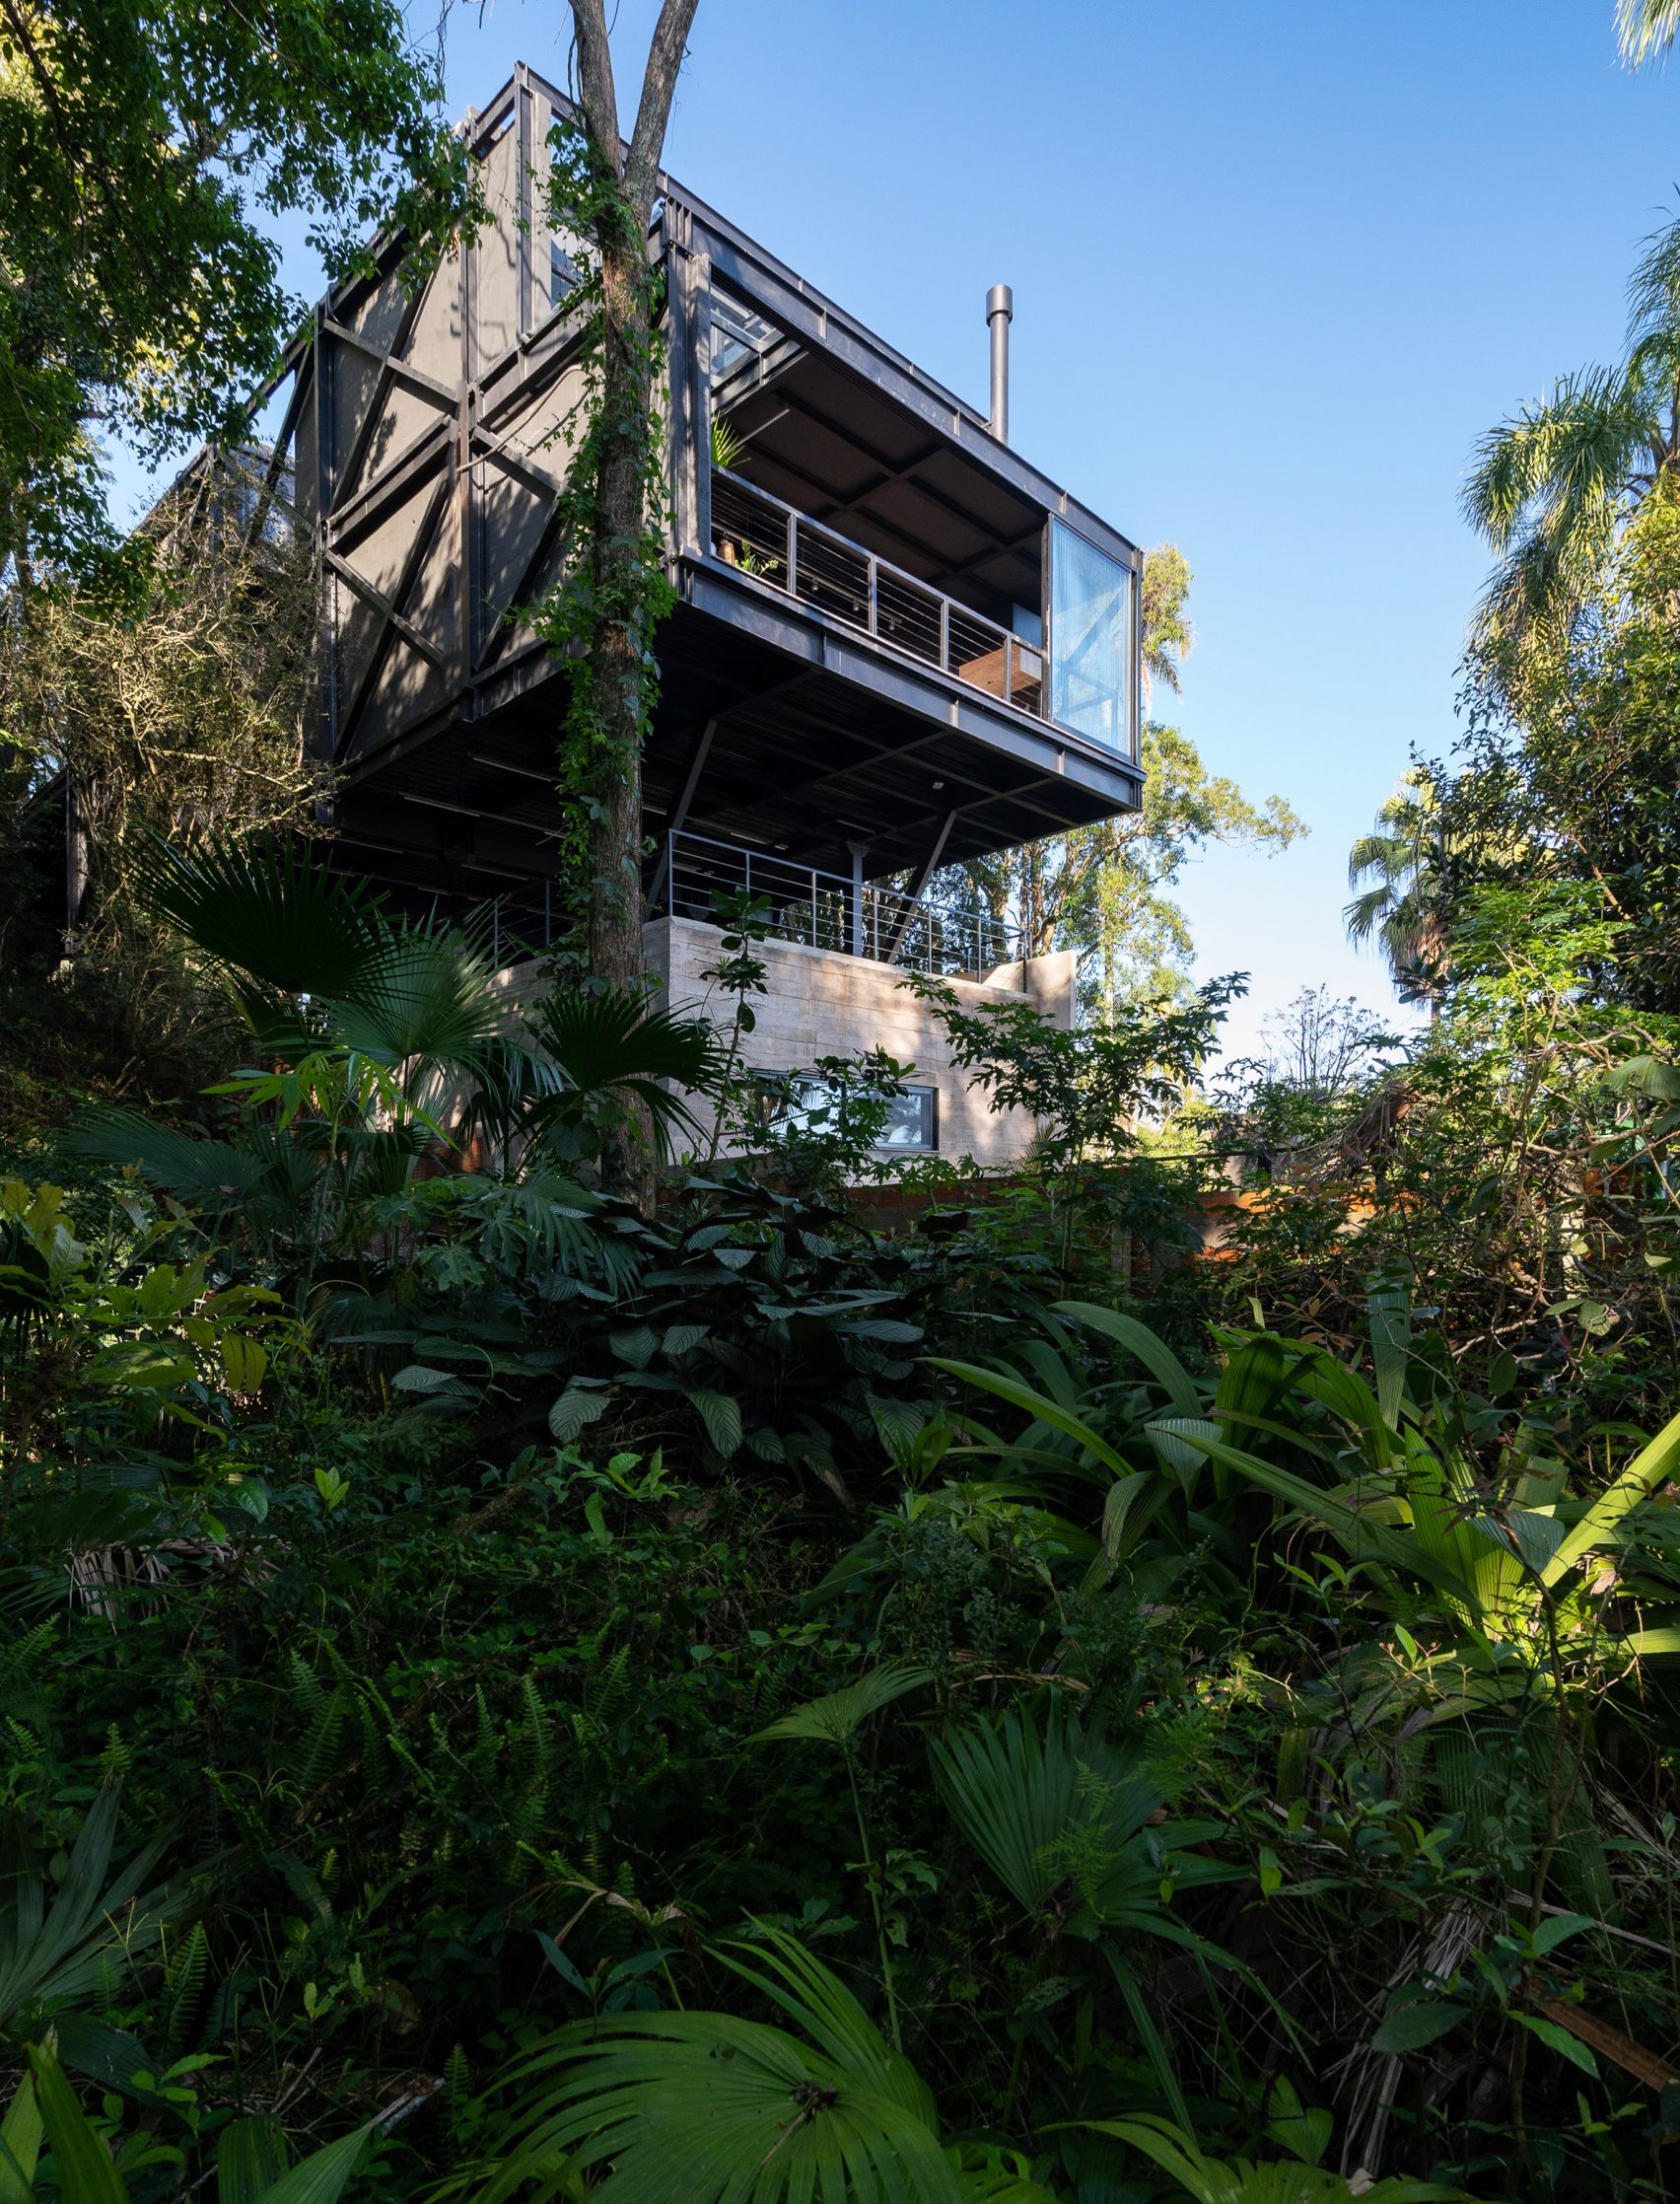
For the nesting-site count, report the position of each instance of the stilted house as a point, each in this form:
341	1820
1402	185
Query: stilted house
895	642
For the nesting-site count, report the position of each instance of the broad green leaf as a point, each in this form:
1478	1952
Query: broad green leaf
19	2142
320	2178
249	2158
1365	1538
1037	1405
1550	1933
87	2171
1389	1304
720	1412
1138	1339
1408	2028
1558	2039
576	1407
1651	1467
245	1360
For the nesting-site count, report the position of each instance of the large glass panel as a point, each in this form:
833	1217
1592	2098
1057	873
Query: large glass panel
1090	640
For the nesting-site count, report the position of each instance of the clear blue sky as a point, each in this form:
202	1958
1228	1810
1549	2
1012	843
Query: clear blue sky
1276	268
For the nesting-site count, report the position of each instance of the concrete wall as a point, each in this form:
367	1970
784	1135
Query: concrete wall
824	1004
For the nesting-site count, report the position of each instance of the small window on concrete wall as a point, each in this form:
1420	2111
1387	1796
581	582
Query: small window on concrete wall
912	1121
808	1107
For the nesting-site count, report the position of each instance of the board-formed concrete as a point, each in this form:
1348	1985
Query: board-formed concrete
820	1003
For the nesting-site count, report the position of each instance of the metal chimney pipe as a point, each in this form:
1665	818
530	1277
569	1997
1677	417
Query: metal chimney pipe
999	313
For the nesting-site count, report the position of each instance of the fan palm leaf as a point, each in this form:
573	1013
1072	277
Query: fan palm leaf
719	2110
1066	1821
1240	2180
610	1047
268	911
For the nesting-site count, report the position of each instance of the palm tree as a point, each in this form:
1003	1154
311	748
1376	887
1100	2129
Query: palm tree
1552	487
383	1041
1646	29
1404	909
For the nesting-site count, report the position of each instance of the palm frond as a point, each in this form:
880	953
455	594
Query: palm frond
52	1954
1646	29
1240	2180
1571	454
426	997
268	910
263	1173
719	2110
610	1047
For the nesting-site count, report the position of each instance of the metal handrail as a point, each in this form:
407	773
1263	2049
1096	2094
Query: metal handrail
827	910
765	537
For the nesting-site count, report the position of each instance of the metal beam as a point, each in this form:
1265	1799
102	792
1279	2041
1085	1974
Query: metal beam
411	565
697	756
423	386
919	888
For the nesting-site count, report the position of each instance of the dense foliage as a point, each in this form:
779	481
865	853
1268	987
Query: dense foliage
1154	1677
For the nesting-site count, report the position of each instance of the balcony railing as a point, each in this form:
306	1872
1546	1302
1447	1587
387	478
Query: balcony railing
778	545
826	910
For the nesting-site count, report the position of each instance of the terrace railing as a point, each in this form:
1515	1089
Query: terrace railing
778	545
826	910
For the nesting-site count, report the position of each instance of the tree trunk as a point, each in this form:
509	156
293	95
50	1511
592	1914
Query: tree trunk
617	669
621	589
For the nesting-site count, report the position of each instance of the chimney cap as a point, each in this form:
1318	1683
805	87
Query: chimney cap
1000	299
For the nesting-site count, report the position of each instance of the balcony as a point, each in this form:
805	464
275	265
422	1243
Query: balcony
775	543
826	910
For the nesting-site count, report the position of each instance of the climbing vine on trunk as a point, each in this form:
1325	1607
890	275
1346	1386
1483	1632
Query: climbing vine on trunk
602	618
616	589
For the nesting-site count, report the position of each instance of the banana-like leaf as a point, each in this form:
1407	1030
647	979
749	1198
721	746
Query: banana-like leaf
1389	1304
1651	1467
1255	1378
1365	1538
1138	1339
1036	1404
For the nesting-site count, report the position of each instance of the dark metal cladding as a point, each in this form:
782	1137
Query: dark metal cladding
862	652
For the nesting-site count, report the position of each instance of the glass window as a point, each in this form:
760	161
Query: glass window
809	1106
738	336
1090	640
912	1120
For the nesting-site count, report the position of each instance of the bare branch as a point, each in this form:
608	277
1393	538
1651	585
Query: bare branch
659	89
597	93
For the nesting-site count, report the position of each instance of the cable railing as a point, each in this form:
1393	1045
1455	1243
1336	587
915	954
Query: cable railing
777	543
826	910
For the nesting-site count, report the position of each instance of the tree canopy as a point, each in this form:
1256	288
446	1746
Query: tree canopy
146	149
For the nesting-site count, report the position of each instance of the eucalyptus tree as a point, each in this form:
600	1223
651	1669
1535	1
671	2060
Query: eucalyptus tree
603	616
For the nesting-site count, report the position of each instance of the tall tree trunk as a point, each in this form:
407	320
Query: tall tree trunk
621	592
